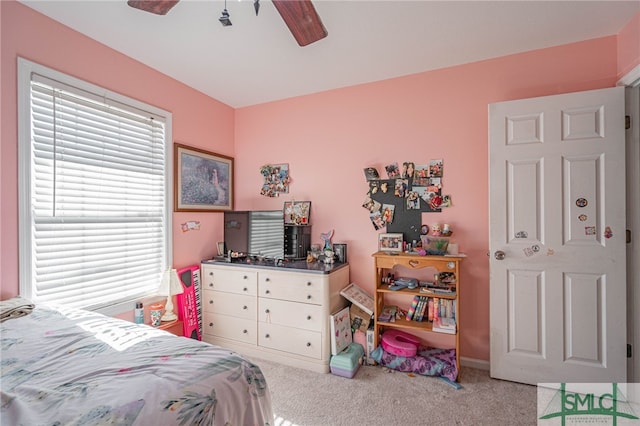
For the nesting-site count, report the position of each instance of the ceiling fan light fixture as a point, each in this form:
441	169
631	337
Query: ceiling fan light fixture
224	19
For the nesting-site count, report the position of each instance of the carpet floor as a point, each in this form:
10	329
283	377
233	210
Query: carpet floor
379	396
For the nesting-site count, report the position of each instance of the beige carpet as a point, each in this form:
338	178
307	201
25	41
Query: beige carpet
377	396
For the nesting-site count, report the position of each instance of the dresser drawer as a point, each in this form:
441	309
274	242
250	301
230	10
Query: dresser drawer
230	280
229	327
237	305
294	314
292	340
304	288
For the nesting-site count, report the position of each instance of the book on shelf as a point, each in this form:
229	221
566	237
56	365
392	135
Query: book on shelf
419	307
424	310
436	308
444	325
430	310
358	297
412	309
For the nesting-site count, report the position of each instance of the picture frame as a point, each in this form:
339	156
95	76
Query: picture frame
390	242
202	181
340	251
297	212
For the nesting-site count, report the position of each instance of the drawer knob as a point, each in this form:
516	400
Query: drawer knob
211	302
266	336
268	291
210	273
245	289
308	344
245	277
266	311
309	283
210	324
210	284
267	279
245	331
309	297
245	307
308	317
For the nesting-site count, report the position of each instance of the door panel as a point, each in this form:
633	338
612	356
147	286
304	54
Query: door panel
525	313
581	182
557	203
584	306
525	210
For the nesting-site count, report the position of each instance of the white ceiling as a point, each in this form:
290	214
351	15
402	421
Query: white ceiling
257	60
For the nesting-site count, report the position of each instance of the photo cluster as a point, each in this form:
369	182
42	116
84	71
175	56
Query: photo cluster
410	186
276	179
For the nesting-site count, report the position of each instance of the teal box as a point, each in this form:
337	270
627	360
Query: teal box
347	362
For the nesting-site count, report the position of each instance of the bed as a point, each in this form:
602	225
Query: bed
65	366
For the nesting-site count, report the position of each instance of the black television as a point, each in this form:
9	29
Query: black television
255	233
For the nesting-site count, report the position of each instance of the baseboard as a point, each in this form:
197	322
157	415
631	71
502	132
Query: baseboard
480	364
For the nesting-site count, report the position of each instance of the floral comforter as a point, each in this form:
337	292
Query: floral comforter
73	367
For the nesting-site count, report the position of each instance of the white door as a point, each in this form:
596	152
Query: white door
557	238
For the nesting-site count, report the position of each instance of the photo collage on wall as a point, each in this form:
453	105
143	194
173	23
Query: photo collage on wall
276	179
408	188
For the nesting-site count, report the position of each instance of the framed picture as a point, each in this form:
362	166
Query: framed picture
297	212
221	250
390	243
203	181
341	251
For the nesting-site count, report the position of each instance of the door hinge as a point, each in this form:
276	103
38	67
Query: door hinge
629	350
627	122
628	236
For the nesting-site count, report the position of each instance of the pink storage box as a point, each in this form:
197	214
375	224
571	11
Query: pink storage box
347	362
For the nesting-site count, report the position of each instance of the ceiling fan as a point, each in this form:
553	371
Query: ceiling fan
299	15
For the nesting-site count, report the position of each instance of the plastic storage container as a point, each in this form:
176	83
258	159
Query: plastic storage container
347	362
155	313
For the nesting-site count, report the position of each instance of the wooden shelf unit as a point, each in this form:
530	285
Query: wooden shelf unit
386	263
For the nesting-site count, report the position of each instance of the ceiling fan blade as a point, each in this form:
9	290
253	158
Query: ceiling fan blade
302	19
159	7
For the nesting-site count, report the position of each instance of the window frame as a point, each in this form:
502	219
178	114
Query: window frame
25	70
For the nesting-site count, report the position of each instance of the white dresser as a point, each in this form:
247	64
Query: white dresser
275	313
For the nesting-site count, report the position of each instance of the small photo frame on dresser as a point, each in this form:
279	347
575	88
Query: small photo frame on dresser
340	251
390	242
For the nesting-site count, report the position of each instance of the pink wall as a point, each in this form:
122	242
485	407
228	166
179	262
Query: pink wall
326	138
629	46
198	120
329	137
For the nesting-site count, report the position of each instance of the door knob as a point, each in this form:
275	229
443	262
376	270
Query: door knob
499	255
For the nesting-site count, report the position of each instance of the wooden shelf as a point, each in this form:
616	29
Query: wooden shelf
385	264
415	292
403	323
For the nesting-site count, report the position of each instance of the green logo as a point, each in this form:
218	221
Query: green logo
569	403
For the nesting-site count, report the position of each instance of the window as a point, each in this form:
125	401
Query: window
94	192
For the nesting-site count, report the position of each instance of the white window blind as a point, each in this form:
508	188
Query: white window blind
98	198
266	233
